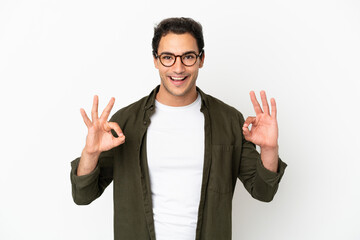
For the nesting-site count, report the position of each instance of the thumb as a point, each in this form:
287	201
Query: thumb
246	133
116	128
248	121
245	128
121	137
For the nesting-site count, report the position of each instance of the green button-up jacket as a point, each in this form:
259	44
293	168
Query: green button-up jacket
227	156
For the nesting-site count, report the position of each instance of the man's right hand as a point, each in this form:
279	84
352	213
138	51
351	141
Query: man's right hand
99	136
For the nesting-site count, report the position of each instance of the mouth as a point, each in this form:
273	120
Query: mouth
177	78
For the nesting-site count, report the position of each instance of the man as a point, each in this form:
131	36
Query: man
175	174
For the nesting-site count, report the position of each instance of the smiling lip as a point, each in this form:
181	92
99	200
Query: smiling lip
177	81
178	78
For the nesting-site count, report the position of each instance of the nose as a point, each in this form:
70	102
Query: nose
178	66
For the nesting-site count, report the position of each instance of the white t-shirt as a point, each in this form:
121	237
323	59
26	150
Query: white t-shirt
175	152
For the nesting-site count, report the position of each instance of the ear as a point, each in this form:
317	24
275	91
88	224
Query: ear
156	62
202	59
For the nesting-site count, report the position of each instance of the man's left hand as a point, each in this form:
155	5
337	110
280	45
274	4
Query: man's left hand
264	130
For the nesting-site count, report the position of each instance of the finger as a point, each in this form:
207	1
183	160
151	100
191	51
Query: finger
264	102
105	114
248	121
273	107
118	141
86	119
255	103
94	110
245	128
121	137
116	128
246	132
107	127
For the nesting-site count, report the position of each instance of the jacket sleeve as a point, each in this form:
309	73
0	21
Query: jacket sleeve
260	182
87	188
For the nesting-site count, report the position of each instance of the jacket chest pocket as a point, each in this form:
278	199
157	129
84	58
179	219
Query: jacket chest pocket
220	179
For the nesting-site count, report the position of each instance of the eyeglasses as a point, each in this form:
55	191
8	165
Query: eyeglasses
169	59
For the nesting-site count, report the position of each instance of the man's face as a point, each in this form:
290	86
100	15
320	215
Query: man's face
178	81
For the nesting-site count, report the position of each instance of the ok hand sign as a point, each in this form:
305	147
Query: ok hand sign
264	129
99	136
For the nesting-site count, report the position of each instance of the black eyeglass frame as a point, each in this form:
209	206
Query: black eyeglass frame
176	56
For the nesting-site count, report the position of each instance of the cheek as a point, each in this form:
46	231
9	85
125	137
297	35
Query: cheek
166	71
194	72
162	72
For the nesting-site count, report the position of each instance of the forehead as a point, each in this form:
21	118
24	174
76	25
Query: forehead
177	43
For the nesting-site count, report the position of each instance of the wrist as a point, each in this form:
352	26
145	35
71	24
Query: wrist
269	157
91	153
273	148
88	162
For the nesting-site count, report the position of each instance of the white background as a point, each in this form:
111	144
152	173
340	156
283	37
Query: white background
55	55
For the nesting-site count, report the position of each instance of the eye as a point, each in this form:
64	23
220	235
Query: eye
167	57
189	56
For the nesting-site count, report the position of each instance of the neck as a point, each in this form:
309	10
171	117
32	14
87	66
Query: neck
169	99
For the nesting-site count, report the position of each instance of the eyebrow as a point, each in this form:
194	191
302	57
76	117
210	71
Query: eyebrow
175	54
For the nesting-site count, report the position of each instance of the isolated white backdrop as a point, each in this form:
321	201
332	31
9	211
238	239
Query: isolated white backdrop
55	55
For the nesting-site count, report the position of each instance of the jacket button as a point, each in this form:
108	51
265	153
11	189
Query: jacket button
145	122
